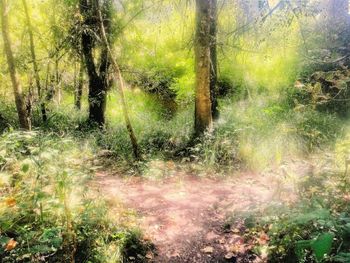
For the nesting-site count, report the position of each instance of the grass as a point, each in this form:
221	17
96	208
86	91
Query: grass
250	133
46	208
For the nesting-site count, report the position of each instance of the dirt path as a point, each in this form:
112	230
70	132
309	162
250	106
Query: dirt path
184	215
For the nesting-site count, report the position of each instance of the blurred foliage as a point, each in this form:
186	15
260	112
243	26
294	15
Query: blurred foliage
46	210
283	93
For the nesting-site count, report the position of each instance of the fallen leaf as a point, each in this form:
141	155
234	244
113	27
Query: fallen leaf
263	238
174	254
238	248
208	250
222	241
236	231
229	255
11	244
149	255
10	202
147	238
171	165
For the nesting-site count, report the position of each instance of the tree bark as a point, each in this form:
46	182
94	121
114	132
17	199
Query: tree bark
213	60
80	84
203	112
57	91
19	98
118	76
97	87
35	64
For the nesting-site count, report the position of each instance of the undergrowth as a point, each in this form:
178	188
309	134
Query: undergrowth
249	133
47	213
316	226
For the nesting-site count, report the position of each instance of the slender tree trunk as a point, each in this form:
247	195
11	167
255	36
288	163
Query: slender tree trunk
47	81
19	98
213	60
58	91
118	76
80	84
35	65
203	112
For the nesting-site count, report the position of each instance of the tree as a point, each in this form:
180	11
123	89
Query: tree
79	86
34	62
24	119
203	108
97	71
213	60
119	77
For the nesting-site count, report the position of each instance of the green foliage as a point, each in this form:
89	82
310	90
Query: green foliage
325	91
315	228
312	236
42	209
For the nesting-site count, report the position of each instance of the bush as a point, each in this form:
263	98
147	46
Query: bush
327	92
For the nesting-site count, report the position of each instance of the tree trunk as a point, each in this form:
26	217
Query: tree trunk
35	65
97	88
57	89
203	112
79	86
118	76
19	98
97	93
213	60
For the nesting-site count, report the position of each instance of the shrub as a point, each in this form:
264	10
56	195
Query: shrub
325	91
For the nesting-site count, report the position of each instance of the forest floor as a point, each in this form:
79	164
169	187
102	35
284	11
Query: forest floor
186	216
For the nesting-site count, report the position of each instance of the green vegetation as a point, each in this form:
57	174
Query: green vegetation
48	212
117	86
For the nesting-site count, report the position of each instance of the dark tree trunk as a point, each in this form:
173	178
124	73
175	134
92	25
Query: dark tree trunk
79	85
97	80
203	111
24	120
213	60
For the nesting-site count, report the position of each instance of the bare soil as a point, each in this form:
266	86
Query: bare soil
184	215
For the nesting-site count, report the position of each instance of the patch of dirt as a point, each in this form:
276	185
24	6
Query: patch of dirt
184	215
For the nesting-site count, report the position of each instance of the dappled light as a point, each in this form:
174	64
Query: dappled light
175	131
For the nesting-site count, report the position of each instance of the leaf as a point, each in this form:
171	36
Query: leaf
238	248
10	202
11	244
263	238
229	255
208	250
149	255
322	246
25	168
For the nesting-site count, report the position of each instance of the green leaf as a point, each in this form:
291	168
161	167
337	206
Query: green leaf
322	246
301	245
25	168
